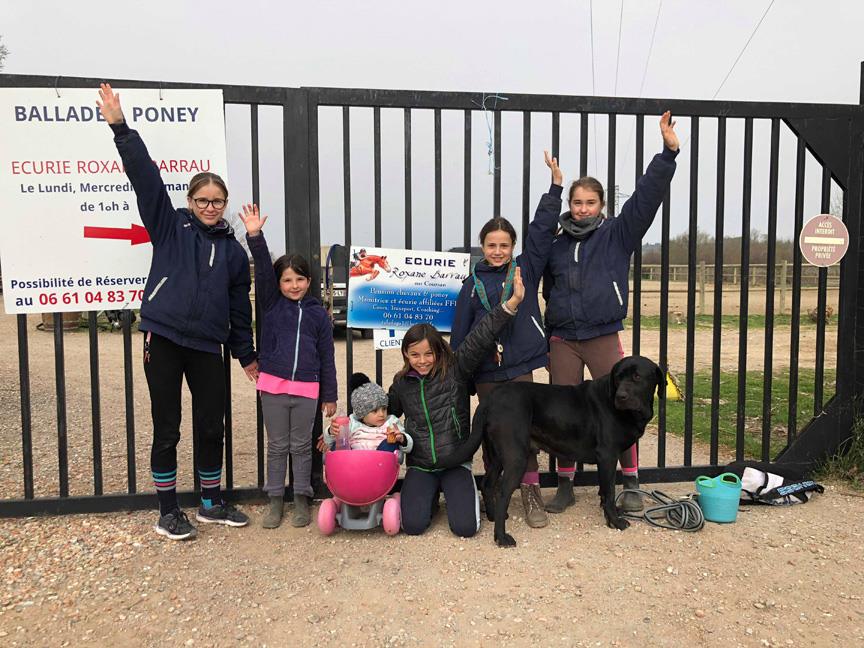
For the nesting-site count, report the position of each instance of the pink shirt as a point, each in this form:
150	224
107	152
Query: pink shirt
276	385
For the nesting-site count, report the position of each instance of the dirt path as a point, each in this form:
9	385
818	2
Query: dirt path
776	577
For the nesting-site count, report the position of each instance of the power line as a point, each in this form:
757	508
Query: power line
644	76
618	56
593	91
737	58
650	48
741	53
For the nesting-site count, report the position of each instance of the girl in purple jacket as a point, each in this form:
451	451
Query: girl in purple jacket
296	369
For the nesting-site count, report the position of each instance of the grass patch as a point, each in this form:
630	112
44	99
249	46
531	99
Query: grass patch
848	464
728	408
706	322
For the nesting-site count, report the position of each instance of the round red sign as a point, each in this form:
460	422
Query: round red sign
824	240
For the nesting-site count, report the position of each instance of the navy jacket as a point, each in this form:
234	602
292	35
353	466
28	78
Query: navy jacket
586	282
523	339
197	291
296	336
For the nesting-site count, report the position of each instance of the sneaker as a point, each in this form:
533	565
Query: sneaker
222	513
175	525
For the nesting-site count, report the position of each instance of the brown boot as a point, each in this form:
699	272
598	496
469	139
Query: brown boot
532	502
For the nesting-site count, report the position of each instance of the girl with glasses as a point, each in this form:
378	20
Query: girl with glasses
196	299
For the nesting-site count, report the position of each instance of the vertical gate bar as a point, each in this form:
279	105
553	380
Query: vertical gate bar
376	128
26	413
664	324
610	168
229	423
60	378
691	291
768	367
556	135
496	202
407	120
637	256
821	303
130	401
315	254
466	194
792	418
376	166
256	198
526	173
346	207
717	313
583	145
438	182
95	402
743	307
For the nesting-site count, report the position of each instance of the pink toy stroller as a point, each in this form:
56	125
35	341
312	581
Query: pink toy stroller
360	478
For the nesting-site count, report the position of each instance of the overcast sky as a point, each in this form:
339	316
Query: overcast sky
802	52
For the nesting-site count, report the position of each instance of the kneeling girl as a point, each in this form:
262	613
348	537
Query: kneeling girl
431	392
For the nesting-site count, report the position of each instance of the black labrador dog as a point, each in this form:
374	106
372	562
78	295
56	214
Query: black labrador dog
592	423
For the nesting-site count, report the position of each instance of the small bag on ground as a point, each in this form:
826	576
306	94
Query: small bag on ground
774	484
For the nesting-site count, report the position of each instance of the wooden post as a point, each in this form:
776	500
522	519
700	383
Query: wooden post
701	287
783	270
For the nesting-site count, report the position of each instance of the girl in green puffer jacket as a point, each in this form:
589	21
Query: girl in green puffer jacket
431	392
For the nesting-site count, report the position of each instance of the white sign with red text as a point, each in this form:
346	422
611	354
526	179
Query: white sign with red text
72	239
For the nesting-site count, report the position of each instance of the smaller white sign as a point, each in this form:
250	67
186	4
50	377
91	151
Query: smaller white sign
383	339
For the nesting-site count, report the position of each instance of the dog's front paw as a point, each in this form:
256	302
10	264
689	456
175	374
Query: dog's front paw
505	540
617	522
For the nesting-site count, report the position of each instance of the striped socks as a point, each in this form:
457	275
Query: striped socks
166	490
210	480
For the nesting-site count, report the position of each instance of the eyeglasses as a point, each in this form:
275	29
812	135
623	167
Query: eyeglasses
203	203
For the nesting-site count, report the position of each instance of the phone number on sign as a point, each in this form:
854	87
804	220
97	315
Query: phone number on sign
91	297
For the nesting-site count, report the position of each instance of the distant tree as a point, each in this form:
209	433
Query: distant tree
3	52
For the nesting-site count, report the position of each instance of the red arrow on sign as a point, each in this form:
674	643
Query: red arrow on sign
135	234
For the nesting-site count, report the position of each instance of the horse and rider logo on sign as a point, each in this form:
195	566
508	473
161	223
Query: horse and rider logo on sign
394	289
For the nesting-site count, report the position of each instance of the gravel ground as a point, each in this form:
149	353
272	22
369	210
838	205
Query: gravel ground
777	577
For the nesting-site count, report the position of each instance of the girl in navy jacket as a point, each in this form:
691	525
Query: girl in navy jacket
296	368
196	299
585	287
521	347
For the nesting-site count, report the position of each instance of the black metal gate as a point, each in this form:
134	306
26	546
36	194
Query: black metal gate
826	138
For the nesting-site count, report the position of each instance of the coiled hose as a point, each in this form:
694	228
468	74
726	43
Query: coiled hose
681	514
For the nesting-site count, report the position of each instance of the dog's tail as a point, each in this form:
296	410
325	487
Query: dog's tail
466	451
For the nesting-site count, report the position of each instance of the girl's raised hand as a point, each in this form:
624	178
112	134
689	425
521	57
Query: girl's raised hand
552	163
109	104
518	291
667	129
252	219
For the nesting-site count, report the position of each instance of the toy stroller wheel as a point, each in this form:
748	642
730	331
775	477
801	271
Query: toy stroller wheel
397	497
338	503
327	517
391	518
